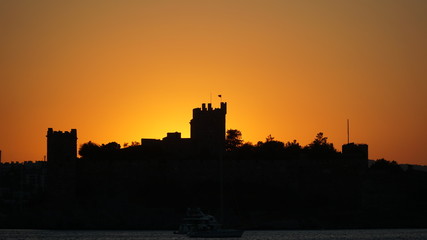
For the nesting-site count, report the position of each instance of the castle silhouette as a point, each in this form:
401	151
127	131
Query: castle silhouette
167	168
207	137
208	128
270	185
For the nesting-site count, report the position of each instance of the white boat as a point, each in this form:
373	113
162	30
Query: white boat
196	220
198	224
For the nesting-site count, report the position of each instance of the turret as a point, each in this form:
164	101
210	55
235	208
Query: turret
61	146
61	158
208	128
356	154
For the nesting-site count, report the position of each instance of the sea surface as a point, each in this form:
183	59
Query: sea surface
388	234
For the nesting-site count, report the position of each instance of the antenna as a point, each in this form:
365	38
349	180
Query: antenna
210	98
348	131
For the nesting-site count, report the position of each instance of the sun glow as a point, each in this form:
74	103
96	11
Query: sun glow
131	70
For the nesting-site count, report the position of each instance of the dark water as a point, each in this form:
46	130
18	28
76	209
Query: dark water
388	234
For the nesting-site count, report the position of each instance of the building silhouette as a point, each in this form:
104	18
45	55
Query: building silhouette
355	151
61	146
357	156
208	128
61	159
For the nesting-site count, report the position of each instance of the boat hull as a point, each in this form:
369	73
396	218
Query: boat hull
223	233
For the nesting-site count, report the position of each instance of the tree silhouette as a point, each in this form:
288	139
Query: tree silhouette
269	138
293	145
112	146
89	150
271	148
382	164
320	147
292	149
320	140
233	139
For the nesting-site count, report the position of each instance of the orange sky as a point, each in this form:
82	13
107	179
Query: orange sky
122	70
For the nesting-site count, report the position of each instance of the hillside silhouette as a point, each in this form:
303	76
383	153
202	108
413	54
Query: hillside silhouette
267	185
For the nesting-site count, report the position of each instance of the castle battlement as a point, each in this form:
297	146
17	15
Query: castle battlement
209	109
50	132
208	128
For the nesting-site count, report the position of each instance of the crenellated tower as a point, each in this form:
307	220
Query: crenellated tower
208	128
61	146
61	158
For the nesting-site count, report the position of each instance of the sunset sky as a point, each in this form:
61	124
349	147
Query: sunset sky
125	70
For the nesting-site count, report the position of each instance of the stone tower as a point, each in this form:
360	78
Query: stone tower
208	128
357	154
61	159
61	146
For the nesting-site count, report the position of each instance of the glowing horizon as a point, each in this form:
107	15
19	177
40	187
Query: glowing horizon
122	71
